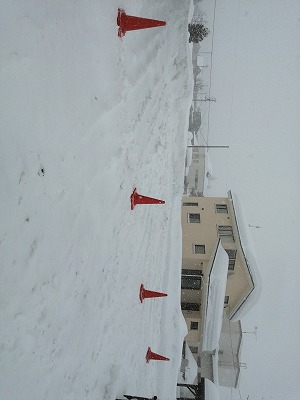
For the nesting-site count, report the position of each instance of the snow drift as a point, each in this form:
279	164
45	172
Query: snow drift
85	118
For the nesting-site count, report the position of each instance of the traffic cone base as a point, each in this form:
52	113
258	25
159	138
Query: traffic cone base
121	22
153	356
147	294
136	198
131	23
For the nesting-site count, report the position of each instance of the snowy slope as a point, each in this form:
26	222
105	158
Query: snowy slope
85	117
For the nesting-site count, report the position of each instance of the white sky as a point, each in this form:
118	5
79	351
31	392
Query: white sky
256	80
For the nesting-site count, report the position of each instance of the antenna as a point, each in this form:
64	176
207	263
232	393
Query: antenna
253	333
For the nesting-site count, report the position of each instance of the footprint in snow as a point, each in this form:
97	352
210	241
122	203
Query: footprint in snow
41	171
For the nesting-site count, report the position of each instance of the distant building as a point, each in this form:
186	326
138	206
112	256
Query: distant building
219	284
195	122
194	179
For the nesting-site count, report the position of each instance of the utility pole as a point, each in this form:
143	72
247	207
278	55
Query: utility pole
253	333
206	99
209	147
209	99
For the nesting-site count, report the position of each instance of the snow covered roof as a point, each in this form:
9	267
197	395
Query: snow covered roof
248	252
191	370
216	287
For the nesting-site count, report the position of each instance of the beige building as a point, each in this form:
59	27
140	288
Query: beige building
219	284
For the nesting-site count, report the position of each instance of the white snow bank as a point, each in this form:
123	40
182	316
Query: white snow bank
85	118
211	391
215	300
208	171
191	369
189	153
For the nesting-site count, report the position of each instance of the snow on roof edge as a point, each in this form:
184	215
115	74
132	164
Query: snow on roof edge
215	298
248	251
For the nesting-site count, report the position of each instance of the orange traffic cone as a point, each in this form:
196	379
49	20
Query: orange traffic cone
153	356
130	23
136	198
148	294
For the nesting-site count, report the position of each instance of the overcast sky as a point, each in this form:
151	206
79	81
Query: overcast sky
256	81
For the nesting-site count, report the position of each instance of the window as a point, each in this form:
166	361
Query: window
191	279
187	204
232	257
226	300
225	232
192	283
198	249
221	208
194	349
194	325
193	218
190	306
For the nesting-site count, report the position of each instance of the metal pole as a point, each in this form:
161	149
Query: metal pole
209	147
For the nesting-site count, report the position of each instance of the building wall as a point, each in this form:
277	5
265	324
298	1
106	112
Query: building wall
193	334
204	233
199	238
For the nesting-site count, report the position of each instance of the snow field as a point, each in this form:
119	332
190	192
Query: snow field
85	118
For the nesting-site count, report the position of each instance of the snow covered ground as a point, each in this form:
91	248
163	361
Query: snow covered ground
85	117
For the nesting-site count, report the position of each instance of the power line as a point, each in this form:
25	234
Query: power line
233	82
